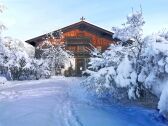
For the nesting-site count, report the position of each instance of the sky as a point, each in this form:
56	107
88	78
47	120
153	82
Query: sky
26	19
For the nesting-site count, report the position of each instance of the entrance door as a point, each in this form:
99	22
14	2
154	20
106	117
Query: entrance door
80	66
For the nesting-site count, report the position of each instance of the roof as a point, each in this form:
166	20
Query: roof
81	24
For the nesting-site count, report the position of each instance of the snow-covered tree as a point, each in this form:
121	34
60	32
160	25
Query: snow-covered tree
154	71
4	52
135	66
40	69
16	59
105	72
18	65
132	32
96	60
55	54
119	65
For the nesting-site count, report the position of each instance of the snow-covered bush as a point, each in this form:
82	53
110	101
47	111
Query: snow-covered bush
135	64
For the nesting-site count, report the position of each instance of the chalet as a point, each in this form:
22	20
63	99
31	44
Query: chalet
78	38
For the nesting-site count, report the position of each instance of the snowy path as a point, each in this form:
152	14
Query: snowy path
61	102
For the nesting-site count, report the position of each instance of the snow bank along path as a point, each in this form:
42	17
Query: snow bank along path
62	102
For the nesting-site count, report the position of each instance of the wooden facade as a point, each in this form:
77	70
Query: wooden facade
80	38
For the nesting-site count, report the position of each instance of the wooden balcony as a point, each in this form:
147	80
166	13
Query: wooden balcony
77	41
82	54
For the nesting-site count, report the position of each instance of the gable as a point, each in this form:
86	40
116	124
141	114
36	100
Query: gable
80	26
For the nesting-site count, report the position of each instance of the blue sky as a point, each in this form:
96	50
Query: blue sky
26	19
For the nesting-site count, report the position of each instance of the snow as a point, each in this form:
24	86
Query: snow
2	80
124	70
131	93
61	101
163	102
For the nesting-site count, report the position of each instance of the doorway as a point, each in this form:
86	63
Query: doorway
80	66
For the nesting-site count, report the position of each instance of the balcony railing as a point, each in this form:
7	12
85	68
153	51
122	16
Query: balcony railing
81	54
77	41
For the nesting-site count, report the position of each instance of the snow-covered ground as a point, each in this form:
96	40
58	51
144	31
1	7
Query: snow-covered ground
61	101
